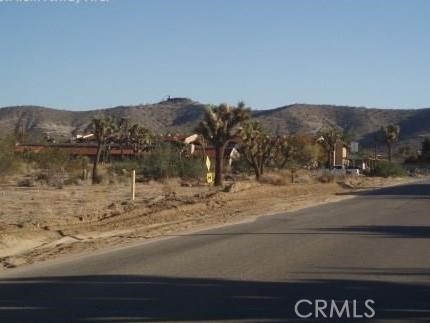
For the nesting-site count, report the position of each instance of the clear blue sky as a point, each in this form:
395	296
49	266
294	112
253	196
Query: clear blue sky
268	53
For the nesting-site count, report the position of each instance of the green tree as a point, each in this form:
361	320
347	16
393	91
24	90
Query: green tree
219	127
390	135
298	149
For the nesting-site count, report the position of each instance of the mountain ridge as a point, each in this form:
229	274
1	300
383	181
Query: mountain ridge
181	115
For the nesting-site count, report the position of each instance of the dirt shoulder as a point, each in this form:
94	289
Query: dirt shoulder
41	223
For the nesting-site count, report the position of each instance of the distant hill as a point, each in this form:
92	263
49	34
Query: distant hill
175	115
360	122
182	115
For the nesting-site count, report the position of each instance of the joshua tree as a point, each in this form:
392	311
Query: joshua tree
140	138
390	135
219	127
102	128
123	134
328	139
257	147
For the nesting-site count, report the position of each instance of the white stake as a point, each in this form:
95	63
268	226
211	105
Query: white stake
133	184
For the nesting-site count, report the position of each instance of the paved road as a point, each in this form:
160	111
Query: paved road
374	246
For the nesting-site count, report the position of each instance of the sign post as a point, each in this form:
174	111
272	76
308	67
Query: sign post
133	184
209	175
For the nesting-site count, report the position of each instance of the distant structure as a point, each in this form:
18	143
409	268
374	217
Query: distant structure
177	99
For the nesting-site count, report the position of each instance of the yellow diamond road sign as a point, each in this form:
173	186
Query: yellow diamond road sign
208	163
209	178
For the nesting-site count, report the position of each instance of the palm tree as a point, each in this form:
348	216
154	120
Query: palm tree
219	127
328	138
102	129
390	135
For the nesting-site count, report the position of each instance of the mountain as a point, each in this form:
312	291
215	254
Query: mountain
174	115
181	115
360	122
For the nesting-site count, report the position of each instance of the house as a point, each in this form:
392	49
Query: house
230	154
88	148
340	155
189	141
195	148
75	150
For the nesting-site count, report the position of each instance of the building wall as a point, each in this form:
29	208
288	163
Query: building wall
341	154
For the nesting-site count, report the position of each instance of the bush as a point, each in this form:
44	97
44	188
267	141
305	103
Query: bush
387	169
326	177
77	165
53	163
278	179
192	168
241	166
167	161
160	163
124	167
27	182
8	159
53	159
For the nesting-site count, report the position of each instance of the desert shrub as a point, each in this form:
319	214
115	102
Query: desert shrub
9	162
99	178
304	177
293	168
166	162
53	163
241	166
160	163
387	169
51	178
27	182
103	176
123	167
326	177
192	168
53	159
73	180
77	169
279	179
78	164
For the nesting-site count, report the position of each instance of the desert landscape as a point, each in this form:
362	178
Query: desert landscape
117	182
42	223
214	161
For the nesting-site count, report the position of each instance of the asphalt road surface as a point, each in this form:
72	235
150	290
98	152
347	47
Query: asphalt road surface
375	246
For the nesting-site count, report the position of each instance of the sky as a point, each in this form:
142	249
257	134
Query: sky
79	55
